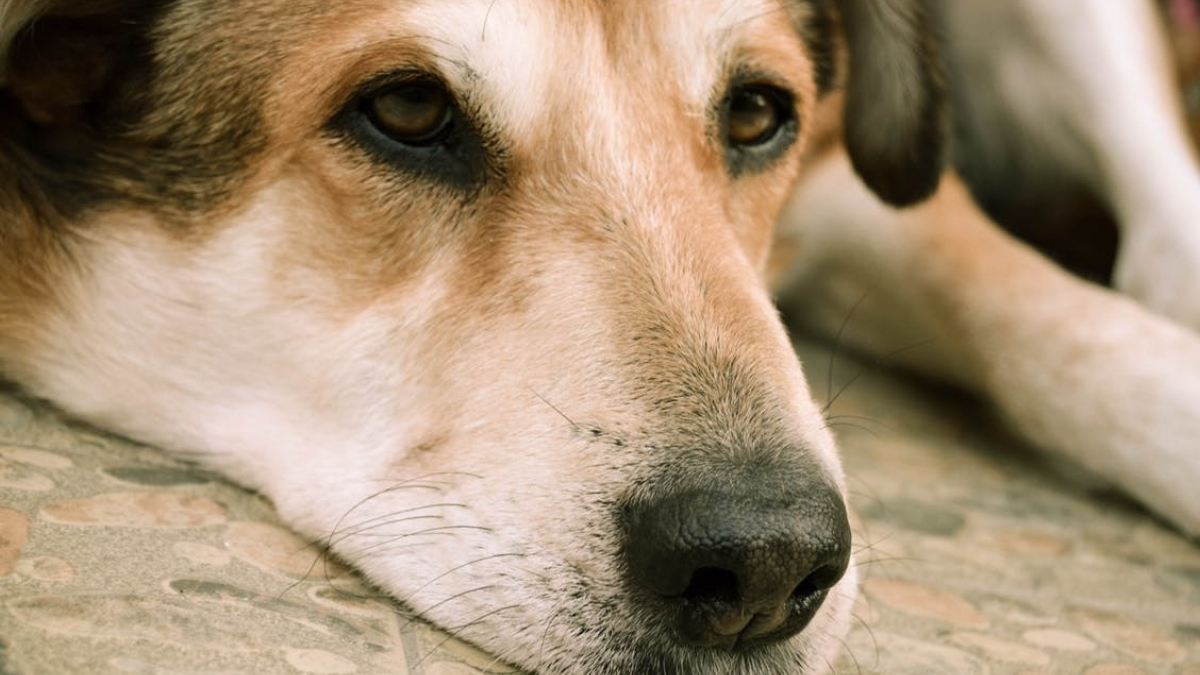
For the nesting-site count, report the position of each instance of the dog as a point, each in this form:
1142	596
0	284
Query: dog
476	291
1104	377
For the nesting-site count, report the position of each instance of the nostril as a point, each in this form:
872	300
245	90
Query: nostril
823	579
712	583
806	589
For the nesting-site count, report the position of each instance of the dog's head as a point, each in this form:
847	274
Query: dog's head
472	289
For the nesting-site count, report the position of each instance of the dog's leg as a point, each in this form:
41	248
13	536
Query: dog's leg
1102	76
1078	369
1143	147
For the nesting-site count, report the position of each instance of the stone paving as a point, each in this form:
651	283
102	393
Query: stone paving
979	558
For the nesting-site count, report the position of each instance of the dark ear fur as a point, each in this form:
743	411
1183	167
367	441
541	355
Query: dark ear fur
896	112
73	78
56	55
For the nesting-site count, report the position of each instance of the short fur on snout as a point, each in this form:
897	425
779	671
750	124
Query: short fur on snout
461	363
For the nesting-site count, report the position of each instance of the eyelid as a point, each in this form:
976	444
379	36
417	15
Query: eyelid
383	82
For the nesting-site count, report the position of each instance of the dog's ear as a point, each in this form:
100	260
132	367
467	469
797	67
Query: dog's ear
896	112
15	16
57	55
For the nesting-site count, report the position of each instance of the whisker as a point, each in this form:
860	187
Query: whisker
447	530
368	522
427	480
391	518
487	15
849	652
871	544
452	633
332	537
409	484
853	425
870	632
887	559
866	491
837	344
394	487
459	567
841	390
573	423
860	418
443	601
313	565
366	531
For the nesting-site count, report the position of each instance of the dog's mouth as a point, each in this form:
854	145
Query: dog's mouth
712	616
704	559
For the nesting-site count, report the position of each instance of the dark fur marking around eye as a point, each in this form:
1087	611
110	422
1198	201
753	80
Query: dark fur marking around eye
460	157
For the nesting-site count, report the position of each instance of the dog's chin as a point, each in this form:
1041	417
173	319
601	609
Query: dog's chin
812	652
609	643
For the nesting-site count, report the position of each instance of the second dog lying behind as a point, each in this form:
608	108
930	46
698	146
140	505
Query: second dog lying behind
1052	100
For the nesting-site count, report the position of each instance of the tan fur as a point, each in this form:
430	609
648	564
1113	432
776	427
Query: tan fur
243	281
531	330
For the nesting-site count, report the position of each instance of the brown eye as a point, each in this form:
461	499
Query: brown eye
413	114
756	114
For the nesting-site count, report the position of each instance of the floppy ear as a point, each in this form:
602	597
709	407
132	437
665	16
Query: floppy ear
55	55
15	15
896	111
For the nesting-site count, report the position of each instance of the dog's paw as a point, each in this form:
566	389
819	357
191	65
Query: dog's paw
1160	267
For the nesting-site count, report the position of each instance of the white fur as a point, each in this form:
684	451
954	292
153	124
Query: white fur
305	410
526	54
1079	370
438	461
1092	80
376	427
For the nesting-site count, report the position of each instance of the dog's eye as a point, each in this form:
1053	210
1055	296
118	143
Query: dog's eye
755	116
758	123
415	113
412	123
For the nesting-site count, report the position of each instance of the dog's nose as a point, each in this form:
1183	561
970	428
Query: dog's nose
736	570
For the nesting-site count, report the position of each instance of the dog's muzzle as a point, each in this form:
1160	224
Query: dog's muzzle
737	566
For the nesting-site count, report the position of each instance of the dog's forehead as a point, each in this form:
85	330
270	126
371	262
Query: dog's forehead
520	54
538	42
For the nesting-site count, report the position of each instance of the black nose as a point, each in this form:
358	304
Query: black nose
737	570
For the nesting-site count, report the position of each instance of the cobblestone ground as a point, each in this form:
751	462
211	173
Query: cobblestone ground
978	558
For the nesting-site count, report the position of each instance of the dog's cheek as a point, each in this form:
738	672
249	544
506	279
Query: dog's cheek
753	208
362	234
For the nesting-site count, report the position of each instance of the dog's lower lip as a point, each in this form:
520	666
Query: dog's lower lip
695	632
801	611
